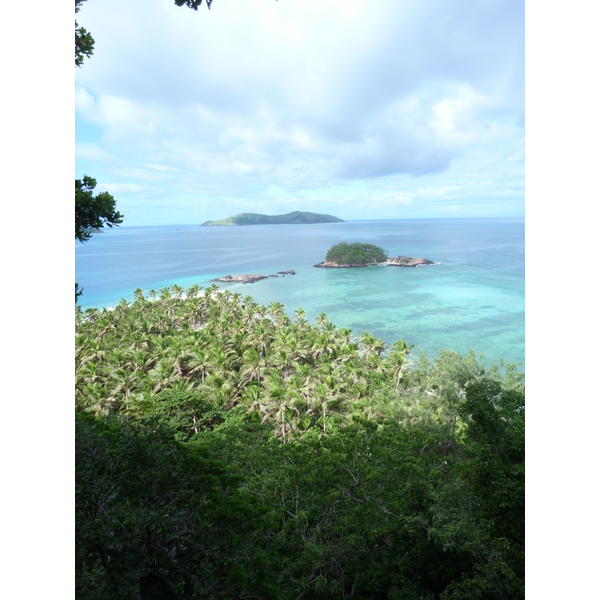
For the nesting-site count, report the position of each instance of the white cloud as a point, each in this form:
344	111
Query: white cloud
394	198
116	188
92	153
301	96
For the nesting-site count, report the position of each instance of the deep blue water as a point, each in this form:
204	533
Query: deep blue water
474	297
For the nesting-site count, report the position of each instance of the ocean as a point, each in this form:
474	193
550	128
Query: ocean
474	297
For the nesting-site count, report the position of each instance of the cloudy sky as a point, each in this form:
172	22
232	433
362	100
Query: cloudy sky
361	109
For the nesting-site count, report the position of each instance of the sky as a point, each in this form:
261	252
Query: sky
360	109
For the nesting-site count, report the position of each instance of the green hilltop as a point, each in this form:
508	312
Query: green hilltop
294	218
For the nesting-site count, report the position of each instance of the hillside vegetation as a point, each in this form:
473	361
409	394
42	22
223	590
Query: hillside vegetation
224	450
294	218
355	254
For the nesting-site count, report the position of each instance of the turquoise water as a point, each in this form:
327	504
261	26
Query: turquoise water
474	298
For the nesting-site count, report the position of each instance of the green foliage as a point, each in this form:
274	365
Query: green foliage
369	511
355	254
84	42
93	212
152	520
193	3
294	218
482	511
224	451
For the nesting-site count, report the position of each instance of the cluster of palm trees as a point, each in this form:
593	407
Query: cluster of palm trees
234	352
231	351
204	367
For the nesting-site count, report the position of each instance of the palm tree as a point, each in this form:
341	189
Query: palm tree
176	347
219	388
106	322
275	390
351	369
321	393
94	398
345	335
329	327
221	357
178	291
296	349
323	345
253	363
125	380
276	310
322	319
162	375
192	291
121	307
371	346
396	360
212	290
251	397
300	315
198	361
284	361
95	352
379	347
259	337
91	314
90	372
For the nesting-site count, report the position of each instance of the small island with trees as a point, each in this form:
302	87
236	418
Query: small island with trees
294	218
359	254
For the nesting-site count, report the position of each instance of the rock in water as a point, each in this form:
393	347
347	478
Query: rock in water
240	278
245	278
401	261
407	261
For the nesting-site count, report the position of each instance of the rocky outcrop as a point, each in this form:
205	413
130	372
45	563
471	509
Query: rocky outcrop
407	261
328	264
249	278
240	278
400	261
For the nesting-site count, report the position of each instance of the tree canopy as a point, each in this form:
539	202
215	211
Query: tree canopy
84	42
93	212
226	451
193	3
357	253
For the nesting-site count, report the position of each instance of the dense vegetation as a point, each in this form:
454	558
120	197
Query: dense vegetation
355	254
226	451
294	218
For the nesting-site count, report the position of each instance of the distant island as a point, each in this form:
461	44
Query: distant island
344	255
294	218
